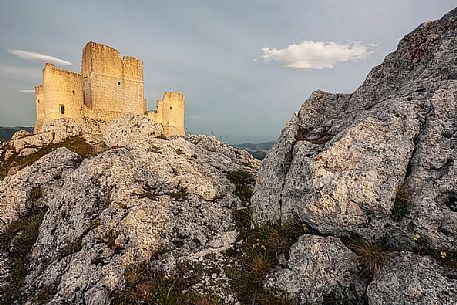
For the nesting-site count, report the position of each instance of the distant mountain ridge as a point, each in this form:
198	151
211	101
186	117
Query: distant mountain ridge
258	150
7	132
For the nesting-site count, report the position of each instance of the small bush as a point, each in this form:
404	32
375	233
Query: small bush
445	257
301	134
261	248
180	195
71	248
446	134
287	162
110	239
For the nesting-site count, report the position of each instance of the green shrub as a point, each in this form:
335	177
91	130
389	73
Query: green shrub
446	134
287	162
445	257
110	239
179	195
71	248
259	252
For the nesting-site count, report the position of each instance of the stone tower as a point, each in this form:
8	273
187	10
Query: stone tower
111	82
170	113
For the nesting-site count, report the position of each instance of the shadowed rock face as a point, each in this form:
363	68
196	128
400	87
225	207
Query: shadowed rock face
378	163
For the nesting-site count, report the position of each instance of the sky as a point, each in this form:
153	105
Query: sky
244	66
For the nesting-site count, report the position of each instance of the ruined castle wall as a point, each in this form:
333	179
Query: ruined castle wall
108	87
170	113
62	94
111	83
132	73
39	102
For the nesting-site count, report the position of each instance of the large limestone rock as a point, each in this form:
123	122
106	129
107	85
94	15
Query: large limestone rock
343	161
377	164
320	270
410	279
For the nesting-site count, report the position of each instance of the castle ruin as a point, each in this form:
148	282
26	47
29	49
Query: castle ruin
107	87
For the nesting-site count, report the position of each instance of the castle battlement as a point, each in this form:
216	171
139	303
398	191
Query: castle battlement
107	86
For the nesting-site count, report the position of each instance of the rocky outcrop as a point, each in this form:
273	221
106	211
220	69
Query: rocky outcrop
142	199
378	163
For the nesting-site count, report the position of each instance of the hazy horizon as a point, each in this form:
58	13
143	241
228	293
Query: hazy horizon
244	67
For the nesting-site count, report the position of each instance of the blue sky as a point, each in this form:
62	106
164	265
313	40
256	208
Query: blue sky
244	66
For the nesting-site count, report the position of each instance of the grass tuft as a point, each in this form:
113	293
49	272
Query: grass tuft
260	250
179	195
36	193
370	255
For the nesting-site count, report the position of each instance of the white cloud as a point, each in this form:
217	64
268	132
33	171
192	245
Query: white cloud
27	91
37	56
317	54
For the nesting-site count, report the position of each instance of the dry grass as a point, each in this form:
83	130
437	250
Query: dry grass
146	286
370	255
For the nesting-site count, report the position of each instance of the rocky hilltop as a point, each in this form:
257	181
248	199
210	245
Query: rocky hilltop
373	173
80	211
355	203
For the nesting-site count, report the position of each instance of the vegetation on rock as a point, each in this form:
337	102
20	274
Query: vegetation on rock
76	144
17	242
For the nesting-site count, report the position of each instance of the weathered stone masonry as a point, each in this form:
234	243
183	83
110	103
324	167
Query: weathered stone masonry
107	87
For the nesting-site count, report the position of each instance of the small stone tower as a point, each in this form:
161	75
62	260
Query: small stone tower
107	87
170	113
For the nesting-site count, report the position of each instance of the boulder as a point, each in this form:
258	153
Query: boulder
378	162
408	279
320	270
